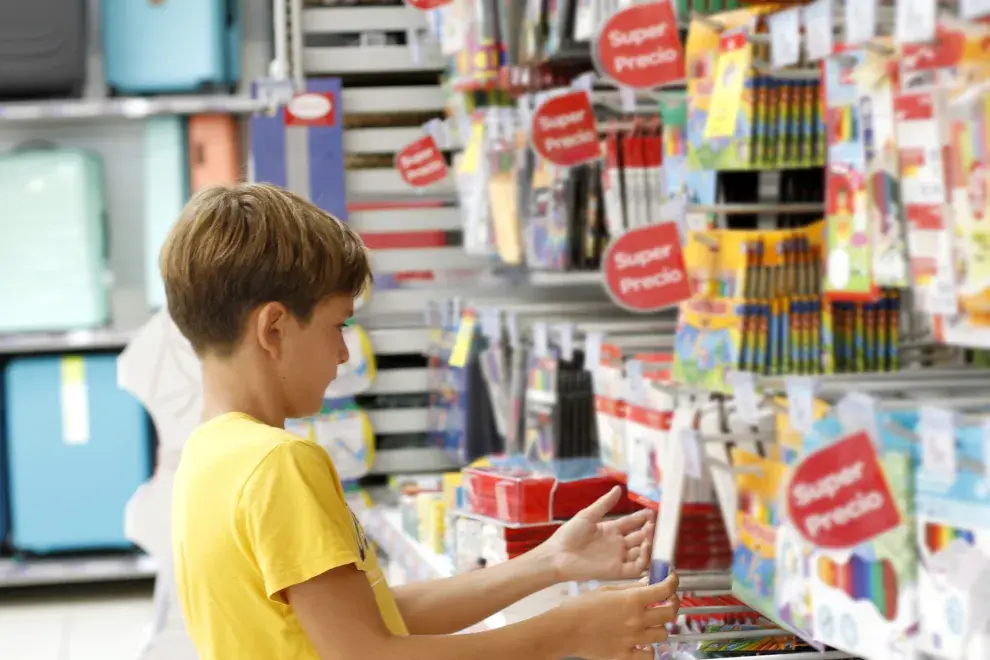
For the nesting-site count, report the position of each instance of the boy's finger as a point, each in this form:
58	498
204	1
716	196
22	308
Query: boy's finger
605	503
632	522
660	592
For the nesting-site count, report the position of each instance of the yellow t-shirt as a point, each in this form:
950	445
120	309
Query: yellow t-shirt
257	510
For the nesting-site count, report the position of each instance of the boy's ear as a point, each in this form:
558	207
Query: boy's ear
270	327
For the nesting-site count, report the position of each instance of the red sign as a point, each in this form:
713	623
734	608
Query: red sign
565	131
311	109
427	5
644	269
421	164
639	46
838	497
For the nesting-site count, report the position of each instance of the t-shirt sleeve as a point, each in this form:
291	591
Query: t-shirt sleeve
296	521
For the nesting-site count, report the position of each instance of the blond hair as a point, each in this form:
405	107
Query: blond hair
237	247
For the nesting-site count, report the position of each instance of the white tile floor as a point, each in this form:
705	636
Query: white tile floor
105	623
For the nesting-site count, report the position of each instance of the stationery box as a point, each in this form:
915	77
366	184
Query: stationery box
78	448
301	146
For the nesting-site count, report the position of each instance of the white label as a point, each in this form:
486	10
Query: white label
592	351
584	82
635	382
938	442
785	38
818	29
627	97
744	390
692	453
942	299
971	9
914	21
74	401
566	341
861	21
541	342
800	402
489	324
858	411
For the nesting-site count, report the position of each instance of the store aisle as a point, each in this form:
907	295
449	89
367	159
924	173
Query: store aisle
85	623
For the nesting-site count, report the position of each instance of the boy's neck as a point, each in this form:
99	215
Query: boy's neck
239	385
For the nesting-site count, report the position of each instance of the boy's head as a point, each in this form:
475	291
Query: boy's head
257	275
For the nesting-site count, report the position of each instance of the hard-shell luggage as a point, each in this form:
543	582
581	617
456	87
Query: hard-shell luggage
53	256
42	48
78	448
170	46
214	154
166	190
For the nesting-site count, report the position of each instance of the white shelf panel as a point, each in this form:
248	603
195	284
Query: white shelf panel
399	341
57	342
399	420
371	59
129	108
412	459
400	381
442	218
564	278
41	572
384	182
337	20
373	100
422	259
385	140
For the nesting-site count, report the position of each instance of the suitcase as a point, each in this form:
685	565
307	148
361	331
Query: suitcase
42	48
78	448
170	46
214	153
55	241
166	190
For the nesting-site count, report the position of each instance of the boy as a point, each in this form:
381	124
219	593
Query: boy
269	560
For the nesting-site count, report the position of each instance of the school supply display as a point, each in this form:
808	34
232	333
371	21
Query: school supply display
344	430
55	240
357	374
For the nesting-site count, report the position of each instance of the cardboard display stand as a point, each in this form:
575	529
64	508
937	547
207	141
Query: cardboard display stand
161	370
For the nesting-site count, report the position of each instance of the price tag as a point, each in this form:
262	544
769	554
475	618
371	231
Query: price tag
635	381
744	390
938	442
627	96
858	411
861	21
818	29
489	324
462	343
512	327
592	351
541	341
942	297
692	453
566	331
785	38
800	402
970	9
914	21
74	401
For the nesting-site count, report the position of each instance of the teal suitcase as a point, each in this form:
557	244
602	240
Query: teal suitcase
55	242
166	190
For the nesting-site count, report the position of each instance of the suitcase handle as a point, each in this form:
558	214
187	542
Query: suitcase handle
199	154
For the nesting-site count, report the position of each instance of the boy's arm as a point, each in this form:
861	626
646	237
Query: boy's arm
441	607
337	610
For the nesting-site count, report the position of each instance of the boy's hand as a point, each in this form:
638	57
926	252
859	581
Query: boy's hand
621	623
588	548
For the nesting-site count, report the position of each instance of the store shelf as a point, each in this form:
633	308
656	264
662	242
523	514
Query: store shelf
381	100
412	460
384	526
384	262
400	381
127	108
42	572
386	182
386	140
399	420
441	218
329	20
59	342
565	278
399	341
372	59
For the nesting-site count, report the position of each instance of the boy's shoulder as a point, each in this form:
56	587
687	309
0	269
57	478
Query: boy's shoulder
238	438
